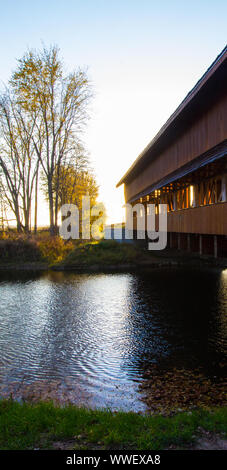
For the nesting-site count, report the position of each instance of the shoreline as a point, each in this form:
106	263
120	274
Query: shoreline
155	262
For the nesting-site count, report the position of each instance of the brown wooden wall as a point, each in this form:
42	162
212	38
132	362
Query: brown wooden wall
206	219
207	131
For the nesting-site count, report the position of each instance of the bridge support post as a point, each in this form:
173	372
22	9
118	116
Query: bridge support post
188	242
178	241
171	240
215	246
200	245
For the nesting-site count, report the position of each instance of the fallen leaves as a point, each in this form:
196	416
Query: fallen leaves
177	390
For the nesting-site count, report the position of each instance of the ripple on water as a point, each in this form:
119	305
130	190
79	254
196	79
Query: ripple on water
89	339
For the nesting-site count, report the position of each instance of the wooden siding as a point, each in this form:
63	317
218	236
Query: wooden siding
208	130
210	219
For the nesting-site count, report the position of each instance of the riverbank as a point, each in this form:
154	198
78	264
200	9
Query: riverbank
45	253
45	426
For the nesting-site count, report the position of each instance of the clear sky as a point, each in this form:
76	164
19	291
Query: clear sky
143	56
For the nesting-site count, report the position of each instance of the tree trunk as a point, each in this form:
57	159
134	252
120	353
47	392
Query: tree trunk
17	215
36	201
56	214
51	208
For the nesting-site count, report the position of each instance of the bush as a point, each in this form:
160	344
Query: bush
19	250
26	248
54	249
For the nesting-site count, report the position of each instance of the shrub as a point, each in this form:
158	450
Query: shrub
19	250
54	249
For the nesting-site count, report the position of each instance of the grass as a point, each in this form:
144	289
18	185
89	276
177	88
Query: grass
105	252
29	426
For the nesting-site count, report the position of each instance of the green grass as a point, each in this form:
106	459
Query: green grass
28	426
105	252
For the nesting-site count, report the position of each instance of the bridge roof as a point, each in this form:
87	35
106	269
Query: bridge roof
212	80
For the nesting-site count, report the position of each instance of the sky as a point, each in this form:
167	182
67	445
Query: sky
142	57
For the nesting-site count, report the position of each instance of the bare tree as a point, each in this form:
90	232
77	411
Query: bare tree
59	102
3	208
18	161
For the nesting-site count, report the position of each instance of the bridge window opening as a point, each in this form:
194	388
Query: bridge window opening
192	196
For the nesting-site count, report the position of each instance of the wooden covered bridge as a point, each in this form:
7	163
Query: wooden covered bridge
185	167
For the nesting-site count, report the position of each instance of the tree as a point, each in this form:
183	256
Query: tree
59	102
18	166
74	178
74	183
3	208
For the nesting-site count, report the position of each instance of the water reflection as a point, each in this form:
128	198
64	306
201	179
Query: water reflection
92	337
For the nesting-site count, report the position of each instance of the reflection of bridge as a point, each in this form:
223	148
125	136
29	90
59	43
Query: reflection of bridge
185	167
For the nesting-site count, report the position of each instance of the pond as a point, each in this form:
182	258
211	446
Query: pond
89	338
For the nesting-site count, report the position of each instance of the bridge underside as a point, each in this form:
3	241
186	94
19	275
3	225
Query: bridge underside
196	205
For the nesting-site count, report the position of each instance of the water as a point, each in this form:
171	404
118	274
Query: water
89	338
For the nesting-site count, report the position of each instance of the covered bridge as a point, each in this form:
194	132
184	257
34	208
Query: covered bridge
185	166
